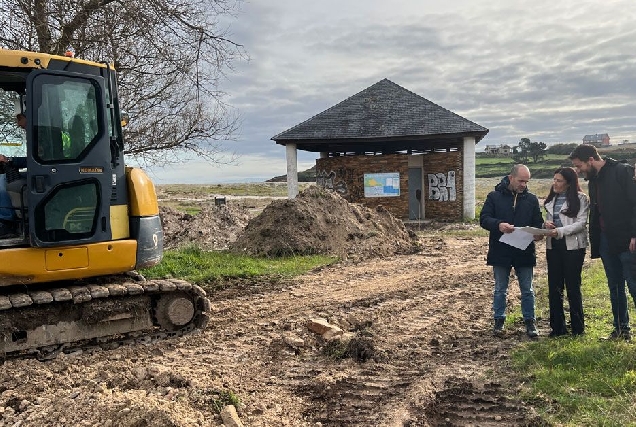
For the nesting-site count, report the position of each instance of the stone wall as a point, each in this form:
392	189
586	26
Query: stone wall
442	186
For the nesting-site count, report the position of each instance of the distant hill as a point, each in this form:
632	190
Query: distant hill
487	167
308	175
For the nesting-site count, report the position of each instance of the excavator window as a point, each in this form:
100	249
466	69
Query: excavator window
67	122
12	137
69	212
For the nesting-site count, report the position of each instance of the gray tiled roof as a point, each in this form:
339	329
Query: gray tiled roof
383	110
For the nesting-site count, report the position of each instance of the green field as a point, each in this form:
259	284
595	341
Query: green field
488	166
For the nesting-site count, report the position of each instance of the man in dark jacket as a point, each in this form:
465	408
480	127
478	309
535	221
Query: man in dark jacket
612	226
510	205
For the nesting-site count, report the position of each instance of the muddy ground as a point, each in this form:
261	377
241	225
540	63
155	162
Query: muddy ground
416	347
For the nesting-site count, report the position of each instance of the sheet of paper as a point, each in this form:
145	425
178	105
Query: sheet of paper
534	231
519	239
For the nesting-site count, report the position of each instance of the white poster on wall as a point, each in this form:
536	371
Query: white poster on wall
382	184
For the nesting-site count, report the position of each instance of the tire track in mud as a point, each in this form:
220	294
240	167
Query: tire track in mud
421	353
428	319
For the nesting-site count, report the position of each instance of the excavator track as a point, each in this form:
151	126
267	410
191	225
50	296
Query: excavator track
41	323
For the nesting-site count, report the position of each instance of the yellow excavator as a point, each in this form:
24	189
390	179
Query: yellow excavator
76	222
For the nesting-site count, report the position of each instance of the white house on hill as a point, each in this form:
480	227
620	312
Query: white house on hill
498	150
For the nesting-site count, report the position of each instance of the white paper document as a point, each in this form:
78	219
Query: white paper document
534	231
519	238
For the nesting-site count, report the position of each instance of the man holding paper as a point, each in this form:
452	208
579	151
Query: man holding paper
511	205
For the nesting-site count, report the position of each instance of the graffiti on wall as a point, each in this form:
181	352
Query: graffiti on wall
329	181
441	187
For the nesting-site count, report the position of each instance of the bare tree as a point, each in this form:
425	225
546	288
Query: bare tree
169	54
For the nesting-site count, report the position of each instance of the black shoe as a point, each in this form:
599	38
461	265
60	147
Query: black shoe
554	334
498	330
620	334
531	328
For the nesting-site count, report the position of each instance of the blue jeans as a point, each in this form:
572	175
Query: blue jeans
6	212
617	270
502	277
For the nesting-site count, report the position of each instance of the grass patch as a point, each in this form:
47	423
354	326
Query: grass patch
192	208
198	266
458	233
224	398
359	348
474	232
582	380
336	349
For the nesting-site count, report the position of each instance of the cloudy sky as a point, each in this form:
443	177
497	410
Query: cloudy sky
551	71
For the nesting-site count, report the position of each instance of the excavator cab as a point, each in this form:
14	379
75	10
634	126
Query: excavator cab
84	220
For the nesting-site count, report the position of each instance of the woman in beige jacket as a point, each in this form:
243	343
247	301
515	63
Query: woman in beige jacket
567	209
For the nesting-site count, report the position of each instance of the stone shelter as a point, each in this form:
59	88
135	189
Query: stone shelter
389	146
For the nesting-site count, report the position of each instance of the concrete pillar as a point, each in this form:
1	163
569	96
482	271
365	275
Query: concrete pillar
292	170
468	157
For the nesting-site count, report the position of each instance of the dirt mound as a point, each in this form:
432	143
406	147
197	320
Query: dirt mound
115	394
315	222
322	222
213	228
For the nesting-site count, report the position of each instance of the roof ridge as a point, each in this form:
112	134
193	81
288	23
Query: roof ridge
389	110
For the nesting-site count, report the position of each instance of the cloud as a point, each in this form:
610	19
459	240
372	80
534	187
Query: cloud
551	71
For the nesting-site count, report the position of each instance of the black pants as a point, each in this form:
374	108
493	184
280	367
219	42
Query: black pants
564	268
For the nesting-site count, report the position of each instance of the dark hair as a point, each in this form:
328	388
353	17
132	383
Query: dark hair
572	193
583	153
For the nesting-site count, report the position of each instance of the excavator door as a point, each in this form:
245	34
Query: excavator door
69	173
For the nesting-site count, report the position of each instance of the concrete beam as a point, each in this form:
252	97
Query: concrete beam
468	160
292	170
